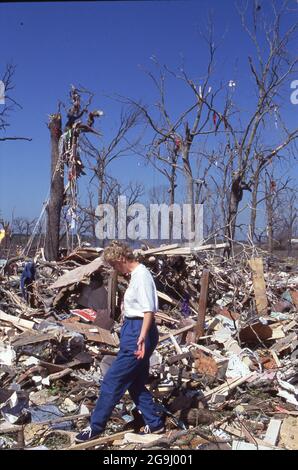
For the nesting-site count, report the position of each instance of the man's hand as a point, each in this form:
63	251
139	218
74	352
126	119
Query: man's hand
140	353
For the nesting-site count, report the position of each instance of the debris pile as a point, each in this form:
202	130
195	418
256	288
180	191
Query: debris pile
224	373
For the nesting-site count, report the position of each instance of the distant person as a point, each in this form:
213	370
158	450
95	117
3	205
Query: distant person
27	282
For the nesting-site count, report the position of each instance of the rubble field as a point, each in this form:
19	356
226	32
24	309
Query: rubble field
225	371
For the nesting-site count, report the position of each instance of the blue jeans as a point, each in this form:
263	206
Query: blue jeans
128	373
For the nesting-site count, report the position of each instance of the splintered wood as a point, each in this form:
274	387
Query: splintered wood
202	303
93	333
259	285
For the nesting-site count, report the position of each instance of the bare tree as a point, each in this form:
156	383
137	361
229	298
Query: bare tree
65	151
113	190
270	69
6	226
287	211
273	188
172	147
101	156
23	225
8	102
159	195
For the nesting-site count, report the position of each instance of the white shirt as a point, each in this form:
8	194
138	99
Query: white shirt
141	295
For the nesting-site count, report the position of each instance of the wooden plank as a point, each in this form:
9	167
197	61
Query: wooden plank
176	252
99	441
16	321
290	325
167	298
241	445
272	432
134	438
259	285
178	349
78	274
178	357
171	250
176	332
238	432
31	338
284	343
166	318
92	333
216	354
189	250
7	428
59	375
228	386
202	304
220	246
159	249
275	357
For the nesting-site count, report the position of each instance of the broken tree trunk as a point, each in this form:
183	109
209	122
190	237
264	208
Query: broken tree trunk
202	304
56	195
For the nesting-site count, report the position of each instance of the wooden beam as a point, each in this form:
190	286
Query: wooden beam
220	246
16	321
167	298
78	274
166	318
10	428
159	249
259	285
6	428
177	332
215	354
272	432
228	386
231	429
189	250
93	333
98	441
202	304
241	445
178	349
177	250
59	375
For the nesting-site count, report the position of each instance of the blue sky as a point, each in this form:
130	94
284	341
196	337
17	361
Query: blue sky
101	45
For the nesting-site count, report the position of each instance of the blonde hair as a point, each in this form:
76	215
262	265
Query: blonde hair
116	251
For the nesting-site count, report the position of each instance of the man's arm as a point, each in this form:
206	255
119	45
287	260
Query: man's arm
147	322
